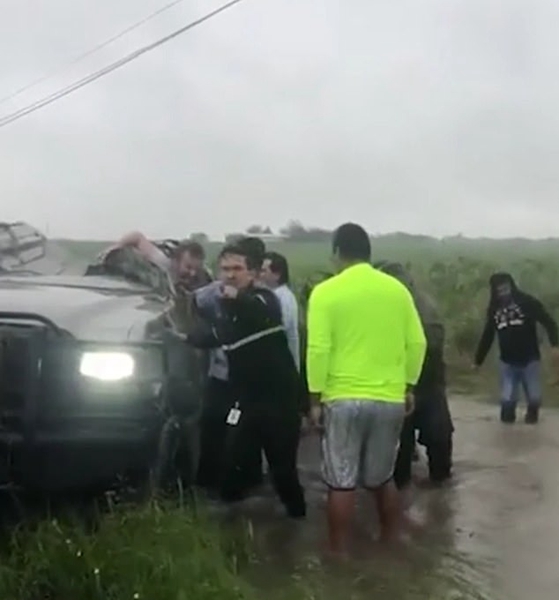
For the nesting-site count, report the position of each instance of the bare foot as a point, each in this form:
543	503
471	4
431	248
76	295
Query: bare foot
391	537
407	526
335	555
394	535
412	525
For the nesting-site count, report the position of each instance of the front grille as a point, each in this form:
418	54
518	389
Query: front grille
16	369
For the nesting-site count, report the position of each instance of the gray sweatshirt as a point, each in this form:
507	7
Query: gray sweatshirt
207	300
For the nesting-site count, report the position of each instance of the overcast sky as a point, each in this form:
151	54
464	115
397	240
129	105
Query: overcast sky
428	116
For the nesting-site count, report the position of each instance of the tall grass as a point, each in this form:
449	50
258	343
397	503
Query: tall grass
161	552
455	271
153	552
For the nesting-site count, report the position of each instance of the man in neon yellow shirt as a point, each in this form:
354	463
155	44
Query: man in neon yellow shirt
365	351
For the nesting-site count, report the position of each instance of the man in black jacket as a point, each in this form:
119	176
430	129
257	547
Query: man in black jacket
219	397
262	376
513	315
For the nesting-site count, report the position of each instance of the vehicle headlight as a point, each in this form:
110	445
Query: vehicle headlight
107	366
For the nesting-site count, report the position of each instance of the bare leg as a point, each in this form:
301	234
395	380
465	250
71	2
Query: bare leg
341	507
389	508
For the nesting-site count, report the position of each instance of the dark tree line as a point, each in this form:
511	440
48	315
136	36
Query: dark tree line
293	231
297	232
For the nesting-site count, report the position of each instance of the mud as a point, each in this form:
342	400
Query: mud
491	534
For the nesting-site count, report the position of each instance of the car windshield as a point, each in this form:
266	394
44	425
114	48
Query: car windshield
26	251
127	264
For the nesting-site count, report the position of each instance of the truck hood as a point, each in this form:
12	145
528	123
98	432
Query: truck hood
89	308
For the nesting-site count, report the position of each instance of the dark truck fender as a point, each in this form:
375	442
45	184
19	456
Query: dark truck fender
179	449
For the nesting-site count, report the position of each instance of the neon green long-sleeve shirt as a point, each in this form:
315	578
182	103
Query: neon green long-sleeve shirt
365	339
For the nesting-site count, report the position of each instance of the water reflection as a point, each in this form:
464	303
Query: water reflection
490	535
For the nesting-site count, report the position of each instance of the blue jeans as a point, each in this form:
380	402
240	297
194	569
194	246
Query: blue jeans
527	377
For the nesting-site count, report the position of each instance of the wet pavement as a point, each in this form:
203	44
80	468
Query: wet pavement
492	534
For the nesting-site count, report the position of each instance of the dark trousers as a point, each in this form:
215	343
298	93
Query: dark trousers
275	430
432	419
439	455
214	429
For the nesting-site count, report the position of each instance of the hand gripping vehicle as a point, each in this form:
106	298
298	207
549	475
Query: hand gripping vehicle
96	385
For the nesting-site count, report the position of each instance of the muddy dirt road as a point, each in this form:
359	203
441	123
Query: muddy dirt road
493	534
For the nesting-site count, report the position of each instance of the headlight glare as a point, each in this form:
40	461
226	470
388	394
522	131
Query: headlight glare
107	366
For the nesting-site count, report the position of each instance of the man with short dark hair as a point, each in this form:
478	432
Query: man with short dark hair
262	377
365	350
275	274
189	258
220	397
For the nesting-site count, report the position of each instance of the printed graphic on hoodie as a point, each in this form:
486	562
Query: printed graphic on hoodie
509	316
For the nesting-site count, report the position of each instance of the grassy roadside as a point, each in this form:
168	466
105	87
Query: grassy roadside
168	553
151	552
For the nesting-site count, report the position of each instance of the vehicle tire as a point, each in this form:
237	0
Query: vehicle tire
175	469
188	455
163	474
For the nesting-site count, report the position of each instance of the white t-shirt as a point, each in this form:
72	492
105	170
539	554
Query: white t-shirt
290	317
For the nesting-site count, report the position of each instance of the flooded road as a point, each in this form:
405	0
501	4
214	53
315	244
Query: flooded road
492	534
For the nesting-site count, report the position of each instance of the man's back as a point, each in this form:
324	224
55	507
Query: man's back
365	345
365	336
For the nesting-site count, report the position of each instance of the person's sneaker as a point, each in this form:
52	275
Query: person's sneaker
508	413
532	415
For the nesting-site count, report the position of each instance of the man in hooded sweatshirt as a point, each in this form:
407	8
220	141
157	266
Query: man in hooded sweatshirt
431	417
513	315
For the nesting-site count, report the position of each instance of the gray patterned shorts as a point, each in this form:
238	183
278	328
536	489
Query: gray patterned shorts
360	442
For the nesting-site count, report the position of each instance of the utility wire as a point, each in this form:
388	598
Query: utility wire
81	57
10	118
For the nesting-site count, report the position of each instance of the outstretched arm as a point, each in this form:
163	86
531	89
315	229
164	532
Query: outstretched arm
543	317
261	310
138	241
485	342
204	336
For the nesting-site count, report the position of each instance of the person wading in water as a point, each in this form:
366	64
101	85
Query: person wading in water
513	314
365	350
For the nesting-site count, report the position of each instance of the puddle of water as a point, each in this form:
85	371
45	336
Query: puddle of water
487	536
490	535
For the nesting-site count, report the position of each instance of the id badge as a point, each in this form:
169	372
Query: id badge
234	416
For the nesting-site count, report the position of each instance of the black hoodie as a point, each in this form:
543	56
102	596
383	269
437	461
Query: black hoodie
514	320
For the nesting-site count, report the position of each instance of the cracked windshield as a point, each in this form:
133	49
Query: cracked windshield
279	300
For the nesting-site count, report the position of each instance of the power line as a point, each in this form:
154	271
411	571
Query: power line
10	118
88	53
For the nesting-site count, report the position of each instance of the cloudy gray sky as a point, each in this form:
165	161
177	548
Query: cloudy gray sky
431	116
